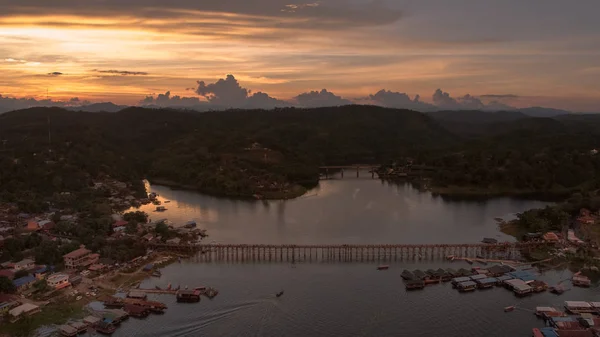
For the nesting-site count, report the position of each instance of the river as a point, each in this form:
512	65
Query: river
339	299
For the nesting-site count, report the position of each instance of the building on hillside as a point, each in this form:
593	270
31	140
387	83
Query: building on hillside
42	271
80	258
551	237
58	281
26	309
23	283
120	223
7	273
25	264
7	302
46	225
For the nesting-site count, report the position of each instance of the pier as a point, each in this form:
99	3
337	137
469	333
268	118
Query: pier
348	253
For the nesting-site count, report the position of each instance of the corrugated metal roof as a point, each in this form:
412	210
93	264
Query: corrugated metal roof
23	280
488	280
548	332
478	277
467	284
577	304
461	279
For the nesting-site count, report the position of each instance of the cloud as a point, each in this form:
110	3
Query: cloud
229	93
220	18
264	101
56	73
226	92
499	96
122	72
398	100
320	98
12	103
444	101
166	100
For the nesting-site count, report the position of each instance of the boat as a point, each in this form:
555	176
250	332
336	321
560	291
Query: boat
407	275
469	261
489	240
558	290
279	294
156	273
414	285
509	308
383	267
114	302
211	293
105	328
167	201
67	330
188	296
161	209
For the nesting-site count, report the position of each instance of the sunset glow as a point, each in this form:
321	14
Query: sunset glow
351	48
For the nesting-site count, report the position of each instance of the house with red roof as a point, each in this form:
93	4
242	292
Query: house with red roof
80	258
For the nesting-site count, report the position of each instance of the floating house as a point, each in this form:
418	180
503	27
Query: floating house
420	275
414	284
457	280
407	275
137	294
581	281
502	279
519	287
466	286
486	282
577	307
478	277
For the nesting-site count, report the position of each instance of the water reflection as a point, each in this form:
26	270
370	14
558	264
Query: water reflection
346	210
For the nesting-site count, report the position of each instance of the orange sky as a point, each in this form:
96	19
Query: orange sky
546	52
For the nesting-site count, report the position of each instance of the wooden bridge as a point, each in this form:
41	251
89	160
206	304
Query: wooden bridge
357	167
348	253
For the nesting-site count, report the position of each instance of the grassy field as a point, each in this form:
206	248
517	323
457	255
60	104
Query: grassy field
56	313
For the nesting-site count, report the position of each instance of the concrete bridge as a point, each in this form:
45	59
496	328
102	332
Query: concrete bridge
357	167
348	253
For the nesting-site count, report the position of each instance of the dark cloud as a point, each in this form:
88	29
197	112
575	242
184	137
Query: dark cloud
12	103
229	93
329	15
56	73
122	72
499	96
166	100
320	98
444	101
226	92
399	100
264	101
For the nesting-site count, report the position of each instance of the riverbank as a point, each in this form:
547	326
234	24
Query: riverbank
295	191
476	192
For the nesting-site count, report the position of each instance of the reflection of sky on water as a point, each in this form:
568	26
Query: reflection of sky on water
346	210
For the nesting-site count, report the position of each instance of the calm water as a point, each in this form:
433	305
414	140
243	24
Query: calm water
338	299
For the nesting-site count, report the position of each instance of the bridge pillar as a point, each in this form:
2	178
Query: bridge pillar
342	171
357	171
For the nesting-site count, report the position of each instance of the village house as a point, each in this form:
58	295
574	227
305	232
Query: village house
58	281
24	283
551	237
80	258
26	309
25	264
7	302
41	272
7	273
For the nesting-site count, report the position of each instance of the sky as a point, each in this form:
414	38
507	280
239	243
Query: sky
419	54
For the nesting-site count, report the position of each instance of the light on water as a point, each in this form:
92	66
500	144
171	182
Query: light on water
338	299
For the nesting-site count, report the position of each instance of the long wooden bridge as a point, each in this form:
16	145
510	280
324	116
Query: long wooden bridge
372	169
348	253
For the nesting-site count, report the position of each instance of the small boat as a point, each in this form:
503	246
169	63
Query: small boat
510	308
450	257
279	294
161	209
157	273
167	201
469	261
383	267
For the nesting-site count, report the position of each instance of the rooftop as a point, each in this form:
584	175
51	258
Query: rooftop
577	304
24	280
23	308
77	253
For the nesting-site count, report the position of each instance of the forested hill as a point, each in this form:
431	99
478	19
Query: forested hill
276	153
236	152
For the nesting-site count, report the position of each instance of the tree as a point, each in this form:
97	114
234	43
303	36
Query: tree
138	217
161	229
6	285
21	273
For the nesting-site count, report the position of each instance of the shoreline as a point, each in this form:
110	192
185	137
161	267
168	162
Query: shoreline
295	192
